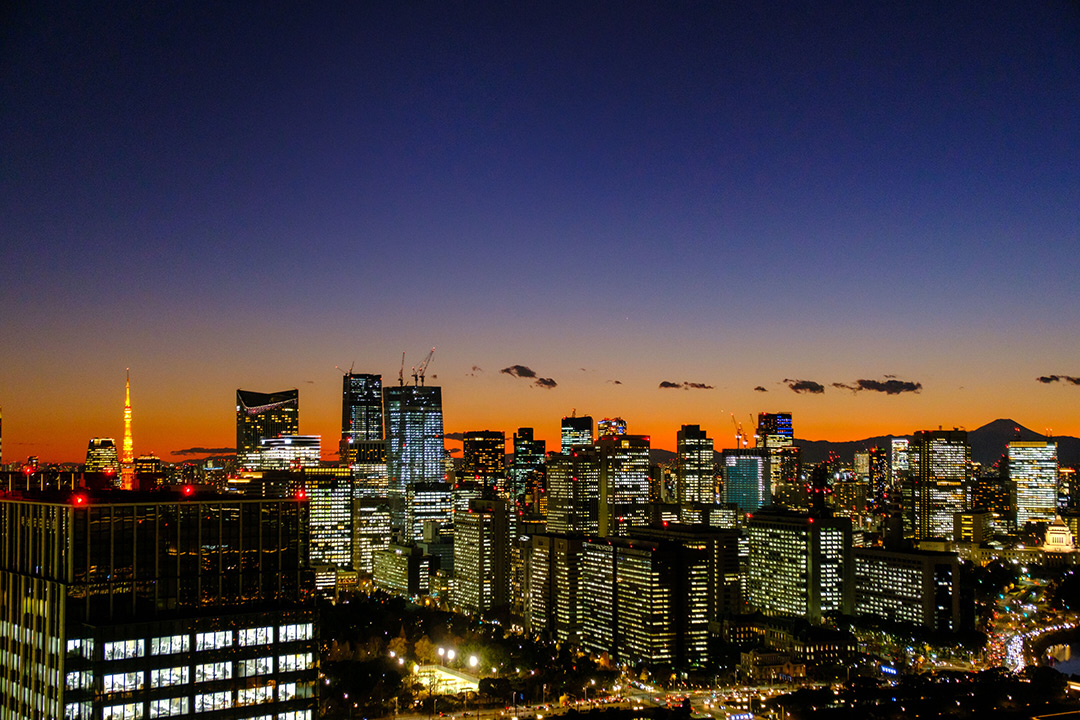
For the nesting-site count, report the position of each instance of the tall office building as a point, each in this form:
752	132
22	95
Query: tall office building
414	441
877	474
288	452
915	587
101	456
774	433
573	491
132	605
362	439
644	601
746	478
695	468
260	416
1033	471
576	431
427	504
721	548
528	461
610	426
940	466
798	564
482	556
552	606
330	499
898	460
624	483
483	459
371	531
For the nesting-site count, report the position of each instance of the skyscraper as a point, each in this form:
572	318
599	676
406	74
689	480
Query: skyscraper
263	415
1033	471
610	426
482	556
414	441
940	466
362	438
484	459
624	483
774	433
746	478
695	467
573	491
798	564
152	605
576	431
528	459
101	456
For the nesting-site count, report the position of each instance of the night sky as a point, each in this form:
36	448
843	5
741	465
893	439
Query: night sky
611	195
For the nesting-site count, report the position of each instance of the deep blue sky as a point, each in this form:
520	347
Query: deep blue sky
725	193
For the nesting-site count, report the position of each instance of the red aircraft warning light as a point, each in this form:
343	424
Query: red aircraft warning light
78	500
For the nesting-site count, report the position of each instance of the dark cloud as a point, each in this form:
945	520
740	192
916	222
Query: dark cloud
519	371
477	368
760	389
889	387
615	382
546	383
454	436
664	384
205	451
310	382
1047	379
805	386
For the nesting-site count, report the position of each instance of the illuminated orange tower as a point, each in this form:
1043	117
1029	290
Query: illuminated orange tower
127	461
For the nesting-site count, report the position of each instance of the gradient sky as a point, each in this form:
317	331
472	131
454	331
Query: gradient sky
720	193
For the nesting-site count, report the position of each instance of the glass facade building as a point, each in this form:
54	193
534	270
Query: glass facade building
746	478
362	438
1033	476
263	415
576	431
414	442
138	605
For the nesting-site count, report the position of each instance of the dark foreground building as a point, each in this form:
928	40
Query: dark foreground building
124	605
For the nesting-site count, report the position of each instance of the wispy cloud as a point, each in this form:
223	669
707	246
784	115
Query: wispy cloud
205	451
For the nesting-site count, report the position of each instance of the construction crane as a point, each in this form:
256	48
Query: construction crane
740	438
401	372
423	367
343	370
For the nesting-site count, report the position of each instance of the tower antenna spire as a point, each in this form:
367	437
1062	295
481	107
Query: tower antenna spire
127	462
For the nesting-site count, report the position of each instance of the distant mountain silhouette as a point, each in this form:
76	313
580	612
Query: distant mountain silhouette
988	444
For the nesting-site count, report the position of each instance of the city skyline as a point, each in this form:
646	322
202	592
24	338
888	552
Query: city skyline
646	212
